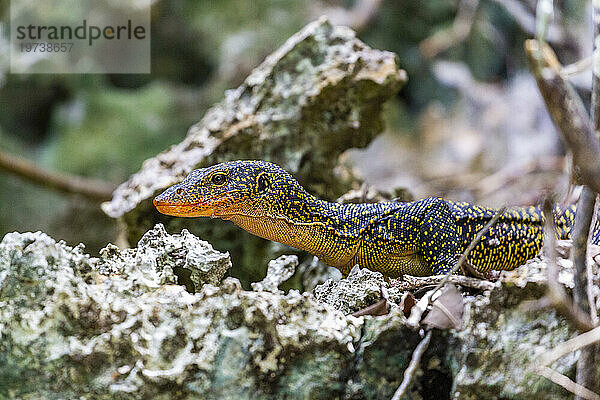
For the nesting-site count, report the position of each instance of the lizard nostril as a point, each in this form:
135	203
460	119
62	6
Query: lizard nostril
179	191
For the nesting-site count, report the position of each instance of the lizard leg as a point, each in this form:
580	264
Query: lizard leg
440	240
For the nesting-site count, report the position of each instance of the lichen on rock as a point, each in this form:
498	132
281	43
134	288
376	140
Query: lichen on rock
278	271
161	258
74	326
361	288
69	332
495	354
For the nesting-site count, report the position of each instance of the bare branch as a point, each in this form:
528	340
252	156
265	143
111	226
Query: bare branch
416	282
556	292
587	368
588	372
580	233
412	367
567	383
544	13
459	31
576	68
92	189
567	112
514	173
571	345
526	20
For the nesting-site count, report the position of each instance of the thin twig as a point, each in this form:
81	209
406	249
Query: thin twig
459	31
92	189
415	282
556	292
593	251
429	298
465	253
506	176
571	345
580	233
412	367
526	20
544	14
567	111
576	68
567	383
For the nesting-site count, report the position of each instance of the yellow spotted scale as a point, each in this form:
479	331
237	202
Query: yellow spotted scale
420	238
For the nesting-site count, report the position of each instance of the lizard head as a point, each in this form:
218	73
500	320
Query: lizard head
223	190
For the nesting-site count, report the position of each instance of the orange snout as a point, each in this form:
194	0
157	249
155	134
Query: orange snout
214	207
183	210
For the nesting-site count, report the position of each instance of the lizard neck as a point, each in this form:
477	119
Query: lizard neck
306	223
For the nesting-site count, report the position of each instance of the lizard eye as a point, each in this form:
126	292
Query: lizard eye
218	179
263	182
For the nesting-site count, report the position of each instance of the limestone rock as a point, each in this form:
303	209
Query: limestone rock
161	258
73	326
493	356
361	288
66	336
278	271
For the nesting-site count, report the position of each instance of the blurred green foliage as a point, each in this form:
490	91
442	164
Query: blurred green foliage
113	130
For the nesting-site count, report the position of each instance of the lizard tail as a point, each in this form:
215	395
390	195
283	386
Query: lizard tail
596	228
564	218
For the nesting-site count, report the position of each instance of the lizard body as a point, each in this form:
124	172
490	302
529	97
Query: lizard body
420	238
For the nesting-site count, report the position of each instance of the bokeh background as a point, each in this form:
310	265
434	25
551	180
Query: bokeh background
469	125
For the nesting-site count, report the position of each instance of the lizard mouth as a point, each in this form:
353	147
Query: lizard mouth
183	210
214	207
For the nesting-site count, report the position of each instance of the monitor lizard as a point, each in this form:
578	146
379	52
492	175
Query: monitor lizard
420	238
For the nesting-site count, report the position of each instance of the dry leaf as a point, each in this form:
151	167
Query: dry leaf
447	310
407	303
379	308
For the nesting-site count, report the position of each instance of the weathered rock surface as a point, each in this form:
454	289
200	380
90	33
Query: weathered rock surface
68	332
73	326
278	271
360	289
164	258
494	356
318	95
